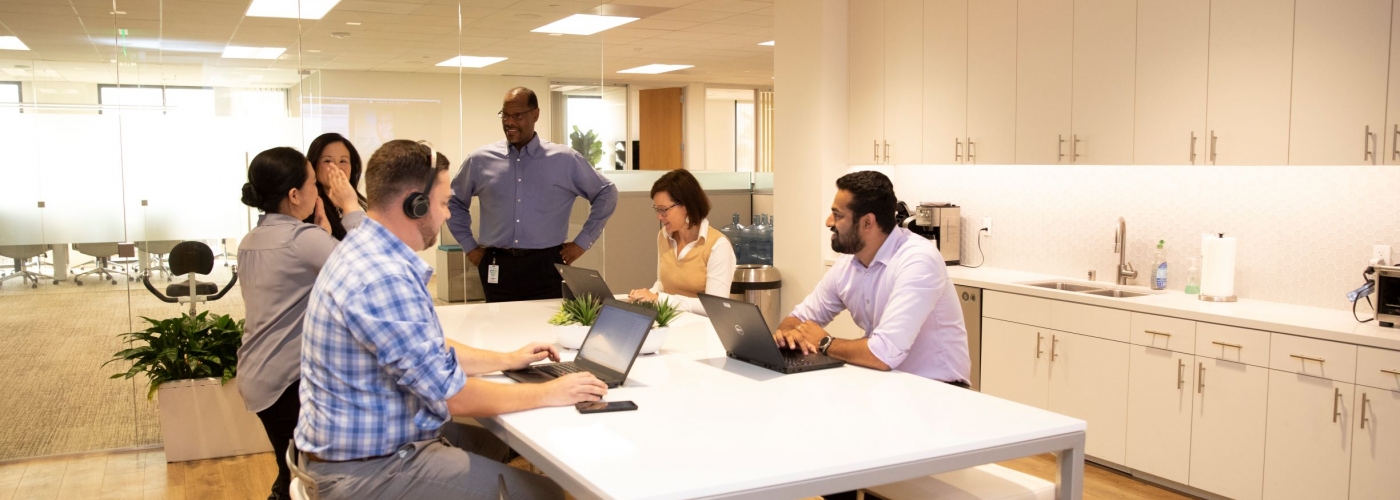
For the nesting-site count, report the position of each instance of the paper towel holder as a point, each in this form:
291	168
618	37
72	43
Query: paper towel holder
1217	298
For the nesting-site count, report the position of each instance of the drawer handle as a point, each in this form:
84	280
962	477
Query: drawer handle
1158	333
1308	358
1227	344
1392	372
1180	373
1336	409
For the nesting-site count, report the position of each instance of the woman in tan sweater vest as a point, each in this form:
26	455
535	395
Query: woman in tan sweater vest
692	256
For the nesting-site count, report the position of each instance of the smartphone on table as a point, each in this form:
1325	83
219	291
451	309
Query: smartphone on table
587	407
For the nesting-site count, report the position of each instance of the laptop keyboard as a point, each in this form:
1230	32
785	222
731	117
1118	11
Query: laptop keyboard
560	369
795	358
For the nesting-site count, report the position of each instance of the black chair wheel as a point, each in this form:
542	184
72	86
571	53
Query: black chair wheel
78	281
55	282
114	282
36	285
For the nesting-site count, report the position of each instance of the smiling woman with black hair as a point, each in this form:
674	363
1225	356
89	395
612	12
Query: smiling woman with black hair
332	151
279	261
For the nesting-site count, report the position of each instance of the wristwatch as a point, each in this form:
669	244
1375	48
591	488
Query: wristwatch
825	344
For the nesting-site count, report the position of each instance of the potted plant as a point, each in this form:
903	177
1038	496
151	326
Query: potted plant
587	144
188	361
574	318
665	314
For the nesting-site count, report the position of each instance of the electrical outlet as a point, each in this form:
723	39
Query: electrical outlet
1380	254
987	225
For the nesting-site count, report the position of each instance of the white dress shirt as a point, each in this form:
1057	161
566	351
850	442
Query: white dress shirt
719	271
905	303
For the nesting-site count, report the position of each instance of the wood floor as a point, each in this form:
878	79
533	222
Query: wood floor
145	475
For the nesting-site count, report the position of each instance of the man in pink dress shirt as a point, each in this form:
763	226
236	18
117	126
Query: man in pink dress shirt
892	281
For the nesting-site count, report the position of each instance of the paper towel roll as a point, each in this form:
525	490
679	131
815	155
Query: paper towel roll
1218	265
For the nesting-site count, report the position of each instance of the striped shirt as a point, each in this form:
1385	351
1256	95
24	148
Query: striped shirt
375	373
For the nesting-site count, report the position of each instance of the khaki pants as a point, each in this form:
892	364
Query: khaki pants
462	464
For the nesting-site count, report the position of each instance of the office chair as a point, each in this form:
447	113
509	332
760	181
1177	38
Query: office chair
21	254
303	486
191	258
157	251
103	264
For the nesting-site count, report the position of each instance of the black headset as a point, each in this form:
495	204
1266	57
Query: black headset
416	205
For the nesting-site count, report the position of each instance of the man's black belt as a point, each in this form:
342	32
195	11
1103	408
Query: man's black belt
521	252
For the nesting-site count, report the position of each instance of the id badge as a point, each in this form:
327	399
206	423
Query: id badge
493	274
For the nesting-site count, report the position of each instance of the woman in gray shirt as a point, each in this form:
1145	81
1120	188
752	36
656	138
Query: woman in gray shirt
279	261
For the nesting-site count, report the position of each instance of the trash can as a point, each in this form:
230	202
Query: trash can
759	284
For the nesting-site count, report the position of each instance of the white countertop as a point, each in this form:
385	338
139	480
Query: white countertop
710	426
1316	322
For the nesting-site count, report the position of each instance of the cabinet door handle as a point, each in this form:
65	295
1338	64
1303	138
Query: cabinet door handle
957	149
1054	341
1367	153
1193	147
1180	373
1038	351
1212	147
1336	405
1227	344
877	150
1364	402
887	152
1395	143
1201	378
1060	148
971	150
1074	149
1307	358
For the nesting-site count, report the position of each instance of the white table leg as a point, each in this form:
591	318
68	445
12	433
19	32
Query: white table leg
1069	485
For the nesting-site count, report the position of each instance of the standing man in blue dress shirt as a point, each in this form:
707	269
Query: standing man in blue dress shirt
527	188
380	384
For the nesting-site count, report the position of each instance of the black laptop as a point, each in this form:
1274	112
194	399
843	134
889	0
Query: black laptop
607	352
579	281
747	338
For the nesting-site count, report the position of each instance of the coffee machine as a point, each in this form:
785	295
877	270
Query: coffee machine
940	222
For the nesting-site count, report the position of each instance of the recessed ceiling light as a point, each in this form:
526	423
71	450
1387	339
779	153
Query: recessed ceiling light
583	24
236	52
12	43
470	62
305	9
352	23
340	34
652	69
119	13
768	43
313	50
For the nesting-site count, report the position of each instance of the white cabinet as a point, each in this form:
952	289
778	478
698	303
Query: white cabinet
1391	135
885	68
991	82
1251	53
1089	381
1173	47
945	81
1227	428
1160	388
1101	120
1340	52
1309	437
1044	50
1376	444
1015	361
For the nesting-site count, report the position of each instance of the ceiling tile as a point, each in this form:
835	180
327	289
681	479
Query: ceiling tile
692	15
734	6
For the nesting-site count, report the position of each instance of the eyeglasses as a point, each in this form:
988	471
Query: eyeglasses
515	117
663	210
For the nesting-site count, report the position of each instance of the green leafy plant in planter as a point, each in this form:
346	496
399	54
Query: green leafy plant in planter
665	312
187	347
581	310
586	144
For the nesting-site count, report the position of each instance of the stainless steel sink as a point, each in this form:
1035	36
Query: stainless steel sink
1068	287
1117	294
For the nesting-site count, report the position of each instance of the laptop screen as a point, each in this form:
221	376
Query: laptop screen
616	337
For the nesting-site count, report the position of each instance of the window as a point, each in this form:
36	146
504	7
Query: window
157	100
9	94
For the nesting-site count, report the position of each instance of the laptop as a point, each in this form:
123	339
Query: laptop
746	337
580	281
607	352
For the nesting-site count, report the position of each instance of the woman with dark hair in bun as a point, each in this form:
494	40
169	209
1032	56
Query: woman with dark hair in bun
332	151
278	262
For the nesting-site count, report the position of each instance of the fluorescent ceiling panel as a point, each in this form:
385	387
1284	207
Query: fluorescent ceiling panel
470	61
652	69
768	43
583	24
12	43
291	9
236	52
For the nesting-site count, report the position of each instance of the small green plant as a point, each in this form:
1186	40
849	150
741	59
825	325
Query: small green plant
187	347
586	144
665	312
582	310
561	318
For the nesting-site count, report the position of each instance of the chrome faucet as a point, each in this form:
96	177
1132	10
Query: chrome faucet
1120	247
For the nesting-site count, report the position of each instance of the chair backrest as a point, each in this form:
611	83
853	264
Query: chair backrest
191	257
303	486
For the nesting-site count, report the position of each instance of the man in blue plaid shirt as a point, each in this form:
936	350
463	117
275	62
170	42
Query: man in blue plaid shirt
380	384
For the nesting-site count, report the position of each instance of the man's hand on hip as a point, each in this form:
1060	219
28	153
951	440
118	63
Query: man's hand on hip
573	388
571	252
476	255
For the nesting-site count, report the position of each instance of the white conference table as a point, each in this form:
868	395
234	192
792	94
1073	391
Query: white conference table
712	427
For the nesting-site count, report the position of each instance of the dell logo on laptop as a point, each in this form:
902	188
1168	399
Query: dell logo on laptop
739	329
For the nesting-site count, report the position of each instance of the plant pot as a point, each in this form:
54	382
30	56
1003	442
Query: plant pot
655	340
571	336
202	419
